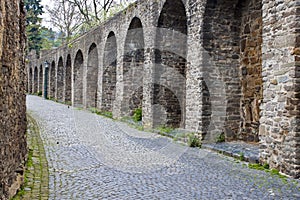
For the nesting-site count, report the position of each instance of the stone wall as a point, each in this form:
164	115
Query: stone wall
211	67
40	79
251	68
279	124
133	66
221	42
109	73
60	80
92	80
170	70
12	97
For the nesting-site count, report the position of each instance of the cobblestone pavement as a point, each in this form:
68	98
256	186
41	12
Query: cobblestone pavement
91	157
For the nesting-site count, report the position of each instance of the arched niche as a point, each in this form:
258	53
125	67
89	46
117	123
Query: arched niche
133	67
68	79
92	77
109	73
78	79
60	80
170	69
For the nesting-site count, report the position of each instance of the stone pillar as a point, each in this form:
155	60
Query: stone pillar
117	107
193	75
148	77
280	124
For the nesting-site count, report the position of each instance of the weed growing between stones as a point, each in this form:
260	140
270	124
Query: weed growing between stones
242	156
221	138
193	140
138	115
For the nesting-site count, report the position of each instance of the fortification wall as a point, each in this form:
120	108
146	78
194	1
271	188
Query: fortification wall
12	97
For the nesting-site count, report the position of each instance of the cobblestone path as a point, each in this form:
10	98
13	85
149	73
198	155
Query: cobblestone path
91	157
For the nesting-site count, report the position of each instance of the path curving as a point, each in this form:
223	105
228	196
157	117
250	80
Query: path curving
91	157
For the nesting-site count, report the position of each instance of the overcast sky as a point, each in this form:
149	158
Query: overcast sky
45	15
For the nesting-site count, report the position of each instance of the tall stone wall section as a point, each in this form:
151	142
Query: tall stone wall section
12	97
280	123
210	67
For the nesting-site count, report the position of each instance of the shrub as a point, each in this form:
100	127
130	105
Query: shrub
193	141
241	156
221	138
138	115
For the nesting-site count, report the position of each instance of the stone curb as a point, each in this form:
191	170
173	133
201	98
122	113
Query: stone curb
240	151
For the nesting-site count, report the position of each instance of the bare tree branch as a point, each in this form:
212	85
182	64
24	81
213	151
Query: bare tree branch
65	17
71	16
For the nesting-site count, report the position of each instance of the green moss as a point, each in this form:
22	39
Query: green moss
258	166
265	167
69	103
275	172
165	129
29	160
102	113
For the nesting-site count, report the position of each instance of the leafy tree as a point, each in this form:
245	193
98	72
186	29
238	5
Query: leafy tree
33	24
50	38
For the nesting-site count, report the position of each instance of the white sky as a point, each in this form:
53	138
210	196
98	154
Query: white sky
45	15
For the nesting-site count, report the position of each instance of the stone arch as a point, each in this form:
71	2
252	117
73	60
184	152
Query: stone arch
68	79
35	80
133	66
78	79
232	36
60	80
170	70
109	72
92	77
40	79
52	80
